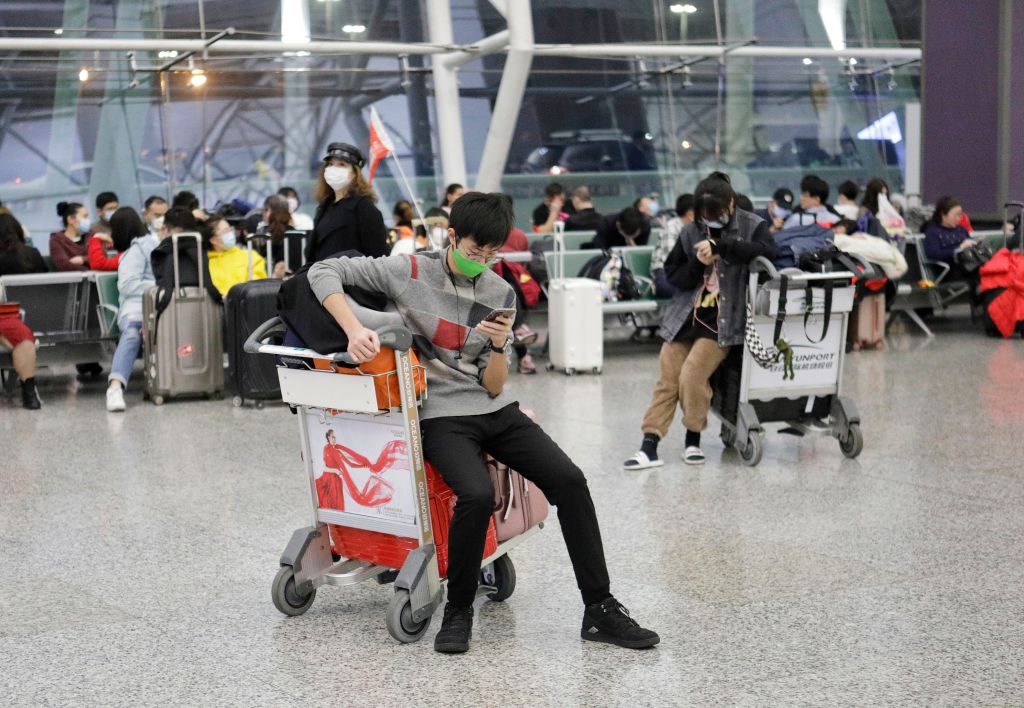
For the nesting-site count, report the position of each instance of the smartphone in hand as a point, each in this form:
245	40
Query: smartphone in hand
500	312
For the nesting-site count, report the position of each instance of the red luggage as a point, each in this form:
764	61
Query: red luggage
385	549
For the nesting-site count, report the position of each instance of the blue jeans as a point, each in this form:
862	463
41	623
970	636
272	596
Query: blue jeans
127	351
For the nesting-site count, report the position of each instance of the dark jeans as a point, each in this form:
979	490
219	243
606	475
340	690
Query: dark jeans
453	445
663	289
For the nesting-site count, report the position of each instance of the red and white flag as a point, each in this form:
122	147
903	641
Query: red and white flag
380	142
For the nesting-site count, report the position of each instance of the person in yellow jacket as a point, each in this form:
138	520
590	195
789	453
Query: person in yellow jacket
229	264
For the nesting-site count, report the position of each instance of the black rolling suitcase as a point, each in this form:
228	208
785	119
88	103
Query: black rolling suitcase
251	377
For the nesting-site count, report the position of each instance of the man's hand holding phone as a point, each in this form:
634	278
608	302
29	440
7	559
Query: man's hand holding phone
497	325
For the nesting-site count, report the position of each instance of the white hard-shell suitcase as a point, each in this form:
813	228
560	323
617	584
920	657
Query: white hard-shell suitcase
575	321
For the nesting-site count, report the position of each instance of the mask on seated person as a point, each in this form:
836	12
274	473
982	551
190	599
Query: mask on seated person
466	266
156	222
228	239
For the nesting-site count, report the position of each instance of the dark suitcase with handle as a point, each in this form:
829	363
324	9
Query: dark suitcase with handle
251	377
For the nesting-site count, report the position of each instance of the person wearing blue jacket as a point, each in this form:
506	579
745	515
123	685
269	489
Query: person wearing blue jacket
943	236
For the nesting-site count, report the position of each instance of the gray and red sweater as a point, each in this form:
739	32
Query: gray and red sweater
439	306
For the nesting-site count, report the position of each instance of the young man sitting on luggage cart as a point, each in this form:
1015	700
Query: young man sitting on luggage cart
445	298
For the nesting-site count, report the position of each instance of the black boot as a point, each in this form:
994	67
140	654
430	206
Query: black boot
30	395
610	622
456	630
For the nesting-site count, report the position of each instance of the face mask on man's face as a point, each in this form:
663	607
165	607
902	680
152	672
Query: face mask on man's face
655	207
107	213
293	204
156	222
780	212
338	177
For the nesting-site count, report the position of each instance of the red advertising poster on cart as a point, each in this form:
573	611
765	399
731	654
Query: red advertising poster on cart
362	466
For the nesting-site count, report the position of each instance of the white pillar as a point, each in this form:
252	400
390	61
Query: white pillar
298	111
446	96
912	166
510	96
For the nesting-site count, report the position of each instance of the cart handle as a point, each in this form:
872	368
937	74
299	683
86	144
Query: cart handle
395	336
763	265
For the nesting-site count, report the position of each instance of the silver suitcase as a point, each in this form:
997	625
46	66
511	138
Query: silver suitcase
184	347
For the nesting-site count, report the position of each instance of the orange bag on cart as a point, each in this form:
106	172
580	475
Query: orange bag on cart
386	386
385	549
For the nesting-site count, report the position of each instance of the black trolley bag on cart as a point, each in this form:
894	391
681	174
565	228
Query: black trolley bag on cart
182	327
248	305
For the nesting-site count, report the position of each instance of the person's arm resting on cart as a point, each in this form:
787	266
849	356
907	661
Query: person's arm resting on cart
390	276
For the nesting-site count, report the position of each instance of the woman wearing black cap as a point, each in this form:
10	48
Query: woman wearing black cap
346	218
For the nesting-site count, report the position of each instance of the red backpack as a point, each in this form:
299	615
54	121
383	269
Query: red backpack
516	275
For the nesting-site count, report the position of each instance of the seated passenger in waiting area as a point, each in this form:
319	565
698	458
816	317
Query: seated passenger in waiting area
229	264
814	206
134	277
15	337
944	237
106	250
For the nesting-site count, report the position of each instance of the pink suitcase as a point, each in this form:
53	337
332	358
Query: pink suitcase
867	323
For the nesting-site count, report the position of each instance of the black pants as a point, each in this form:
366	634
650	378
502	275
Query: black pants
454	444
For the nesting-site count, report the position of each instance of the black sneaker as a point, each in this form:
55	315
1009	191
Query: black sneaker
456	630
30	395
610	622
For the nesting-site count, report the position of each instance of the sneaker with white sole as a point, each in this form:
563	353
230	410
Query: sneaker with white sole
115	399
640	461
693	455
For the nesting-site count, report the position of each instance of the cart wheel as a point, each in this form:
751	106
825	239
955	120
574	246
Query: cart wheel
751	453
728	436
285	595
570	371
504	579
399	619
853	444
158	400
549	366
597	370
259	405
237	401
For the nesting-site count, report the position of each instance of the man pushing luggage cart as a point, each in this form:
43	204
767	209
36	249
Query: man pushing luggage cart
460	314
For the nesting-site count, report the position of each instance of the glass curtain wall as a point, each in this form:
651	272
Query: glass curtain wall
229	126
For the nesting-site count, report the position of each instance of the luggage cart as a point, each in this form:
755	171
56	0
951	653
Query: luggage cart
746	395
405	533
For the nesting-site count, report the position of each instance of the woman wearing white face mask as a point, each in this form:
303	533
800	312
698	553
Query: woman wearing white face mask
69	247
346	218
229	264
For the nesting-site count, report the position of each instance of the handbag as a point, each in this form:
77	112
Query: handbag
973	257
764	355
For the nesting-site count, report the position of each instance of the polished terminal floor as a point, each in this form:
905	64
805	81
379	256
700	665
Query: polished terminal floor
138	552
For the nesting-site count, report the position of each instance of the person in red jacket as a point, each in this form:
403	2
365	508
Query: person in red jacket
124	227
69	248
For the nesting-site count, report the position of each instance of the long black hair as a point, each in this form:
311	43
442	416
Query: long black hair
12	239
875	187
125	226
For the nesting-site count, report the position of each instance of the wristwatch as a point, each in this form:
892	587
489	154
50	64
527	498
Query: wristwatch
497	350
